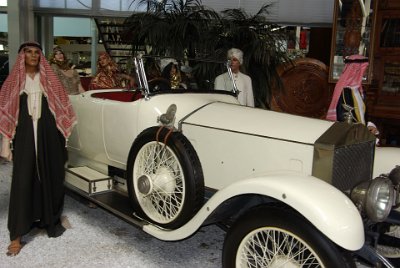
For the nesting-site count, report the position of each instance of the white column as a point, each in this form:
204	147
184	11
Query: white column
93	60
20	26
47	36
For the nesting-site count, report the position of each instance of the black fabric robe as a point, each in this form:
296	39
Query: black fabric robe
37	188
346	98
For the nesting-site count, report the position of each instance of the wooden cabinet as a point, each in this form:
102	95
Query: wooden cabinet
383	95
389	4
387	41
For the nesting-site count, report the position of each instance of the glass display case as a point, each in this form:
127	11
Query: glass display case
388	24
390	33
383	95
387	56
391	77
352	34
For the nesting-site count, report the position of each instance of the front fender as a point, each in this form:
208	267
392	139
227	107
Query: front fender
328	209
386	158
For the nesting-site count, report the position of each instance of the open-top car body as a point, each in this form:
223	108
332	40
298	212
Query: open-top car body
291	191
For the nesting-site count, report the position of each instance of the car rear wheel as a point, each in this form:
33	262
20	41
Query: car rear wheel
165	179
276	237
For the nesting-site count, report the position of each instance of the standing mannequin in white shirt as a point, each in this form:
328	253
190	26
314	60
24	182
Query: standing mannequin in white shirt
242	81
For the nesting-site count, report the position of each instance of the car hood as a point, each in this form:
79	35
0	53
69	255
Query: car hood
257	121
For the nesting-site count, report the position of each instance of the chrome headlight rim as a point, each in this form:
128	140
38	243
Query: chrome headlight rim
375	198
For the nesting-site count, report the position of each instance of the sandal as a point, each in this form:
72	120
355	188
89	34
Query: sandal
15	247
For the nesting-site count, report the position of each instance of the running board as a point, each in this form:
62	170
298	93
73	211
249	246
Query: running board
97	188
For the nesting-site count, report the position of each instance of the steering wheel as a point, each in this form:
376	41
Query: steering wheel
159	84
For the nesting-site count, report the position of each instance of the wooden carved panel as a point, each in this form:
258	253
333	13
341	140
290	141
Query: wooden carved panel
305	91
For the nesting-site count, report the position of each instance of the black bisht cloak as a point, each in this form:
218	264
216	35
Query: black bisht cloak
37	188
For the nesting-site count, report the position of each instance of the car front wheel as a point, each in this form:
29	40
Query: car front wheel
165	179
277	237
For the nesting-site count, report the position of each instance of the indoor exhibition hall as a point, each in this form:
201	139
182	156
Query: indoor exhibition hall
200	133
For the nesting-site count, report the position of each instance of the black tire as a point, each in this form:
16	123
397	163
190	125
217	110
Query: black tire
165	181
253	240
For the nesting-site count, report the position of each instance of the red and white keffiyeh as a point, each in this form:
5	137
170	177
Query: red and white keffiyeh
351	77
57	98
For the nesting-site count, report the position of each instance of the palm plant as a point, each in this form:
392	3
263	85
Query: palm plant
175	28
187	29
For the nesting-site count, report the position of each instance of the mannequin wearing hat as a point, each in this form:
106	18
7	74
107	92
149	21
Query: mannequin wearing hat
36	118
69	77
242	81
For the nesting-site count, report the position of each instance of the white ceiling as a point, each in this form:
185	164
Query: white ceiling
304	12
292	12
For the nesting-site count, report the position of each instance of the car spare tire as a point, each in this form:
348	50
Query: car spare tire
164	177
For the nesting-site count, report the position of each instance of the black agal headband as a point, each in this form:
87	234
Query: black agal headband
29	44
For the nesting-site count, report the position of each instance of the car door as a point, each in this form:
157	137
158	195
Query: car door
119	124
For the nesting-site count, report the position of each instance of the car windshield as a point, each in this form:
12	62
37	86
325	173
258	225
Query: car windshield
156	74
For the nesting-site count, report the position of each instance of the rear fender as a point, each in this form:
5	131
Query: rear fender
328	209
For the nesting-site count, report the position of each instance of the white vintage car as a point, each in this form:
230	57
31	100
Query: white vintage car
291	191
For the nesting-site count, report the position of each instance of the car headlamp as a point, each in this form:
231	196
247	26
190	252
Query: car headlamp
374	197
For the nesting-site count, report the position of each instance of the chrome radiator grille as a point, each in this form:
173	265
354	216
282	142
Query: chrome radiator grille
352	164
344	155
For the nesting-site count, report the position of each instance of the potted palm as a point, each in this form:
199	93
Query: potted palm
190	30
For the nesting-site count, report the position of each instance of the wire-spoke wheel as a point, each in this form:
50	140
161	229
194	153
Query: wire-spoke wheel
274	247
165	180
160	182
277	237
